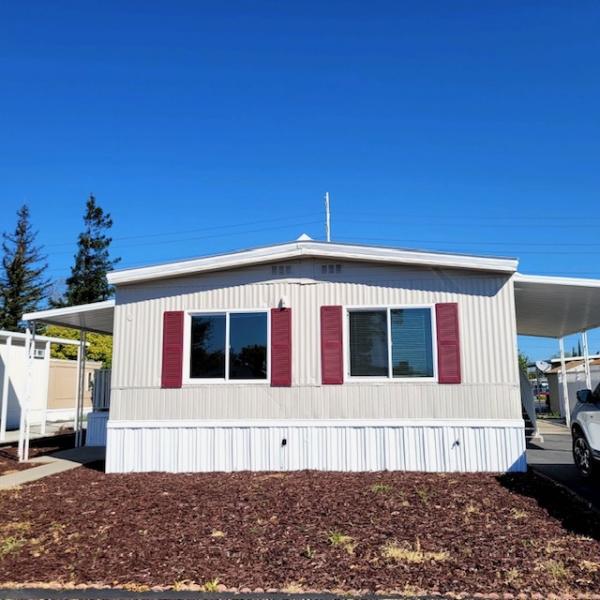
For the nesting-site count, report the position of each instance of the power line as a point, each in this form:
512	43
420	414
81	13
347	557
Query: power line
183	232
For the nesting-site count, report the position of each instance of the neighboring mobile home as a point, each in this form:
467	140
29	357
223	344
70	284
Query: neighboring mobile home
53	382
314	355
576	380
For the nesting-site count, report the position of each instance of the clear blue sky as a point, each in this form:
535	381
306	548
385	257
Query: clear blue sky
208	126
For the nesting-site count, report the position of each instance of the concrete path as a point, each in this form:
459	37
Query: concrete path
65	460
552	427
553	458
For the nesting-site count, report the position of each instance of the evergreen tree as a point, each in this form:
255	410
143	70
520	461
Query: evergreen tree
87	282
22	283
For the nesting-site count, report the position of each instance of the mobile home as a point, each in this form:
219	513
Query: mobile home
314	355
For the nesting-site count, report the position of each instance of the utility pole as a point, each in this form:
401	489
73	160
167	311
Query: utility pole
327	218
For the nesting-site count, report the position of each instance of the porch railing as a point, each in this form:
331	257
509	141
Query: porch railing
101	389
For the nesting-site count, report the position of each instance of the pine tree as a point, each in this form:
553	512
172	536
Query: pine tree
22	283
87	282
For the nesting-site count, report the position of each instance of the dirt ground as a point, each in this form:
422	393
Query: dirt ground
393	532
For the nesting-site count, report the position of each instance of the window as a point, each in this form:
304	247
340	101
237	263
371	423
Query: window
229	346
391	343
412	352
368	343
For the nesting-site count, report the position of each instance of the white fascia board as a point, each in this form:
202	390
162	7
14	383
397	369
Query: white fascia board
67	310
551	280
312	249
17	335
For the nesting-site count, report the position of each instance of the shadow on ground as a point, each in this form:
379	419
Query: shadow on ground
575	513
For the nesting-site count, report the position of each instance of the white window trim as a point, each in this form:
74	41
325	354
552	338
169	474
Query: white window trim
197	381
389	379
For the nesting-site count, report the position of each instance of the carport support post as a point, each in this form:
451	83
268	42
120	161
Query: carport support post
565	386
24	429
586	360
5	383
81	355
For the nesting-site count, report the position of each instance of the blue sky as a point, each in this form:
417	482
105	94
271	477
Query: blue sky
208	126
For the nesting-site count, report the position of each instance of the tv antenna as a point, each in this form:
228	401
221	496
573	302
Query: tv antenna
327	218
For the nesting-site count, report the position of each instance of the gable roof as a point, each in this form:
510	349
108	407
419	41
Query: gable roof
313	249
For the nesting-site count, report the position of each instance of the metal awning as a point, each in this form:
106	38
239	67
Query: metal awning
556	306
96	317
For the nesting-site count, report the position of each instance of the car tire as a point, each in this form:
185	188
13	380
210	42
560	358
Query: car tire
582	455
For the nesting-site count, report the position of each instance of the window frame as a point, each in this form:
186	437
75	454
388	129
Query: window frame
187	332
390	378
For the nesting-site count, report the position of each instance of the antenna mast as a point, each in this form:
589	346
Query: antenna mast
327	218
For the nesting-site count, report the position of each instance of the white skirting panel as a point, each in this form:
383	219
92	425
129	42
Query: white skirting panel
411	445
96	428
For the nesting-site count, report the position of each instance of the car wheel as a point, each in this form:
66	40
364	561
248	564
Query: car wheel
582	455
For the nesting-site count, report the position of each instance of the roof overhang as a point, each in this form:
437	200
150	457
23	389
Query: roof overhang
17	335
308	249
556	306
96	317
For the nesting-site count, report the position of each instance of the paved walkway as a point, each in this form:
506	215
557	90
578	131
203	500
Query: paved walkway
553	458
65	460
552	427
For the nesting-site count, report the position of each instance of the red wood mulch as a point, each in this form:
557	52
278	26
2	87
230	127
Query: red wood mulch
469	533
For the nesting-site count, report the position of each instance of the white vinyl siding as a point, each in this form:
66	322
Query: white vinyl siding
490	382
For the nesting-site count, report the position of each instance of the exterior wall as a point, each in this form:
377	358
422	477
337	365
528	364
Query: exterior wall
490	381
575	382
15	357
62	383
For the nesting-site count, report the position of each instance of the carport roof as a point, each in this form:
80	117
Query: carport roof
556	306
96	317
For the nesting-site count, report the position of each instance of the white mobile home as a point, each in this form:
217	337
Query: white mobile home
313	355
52	382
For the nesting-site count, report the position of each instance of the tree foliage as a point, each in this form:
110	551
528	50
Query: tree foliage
99	348
22	283
523	361
87	282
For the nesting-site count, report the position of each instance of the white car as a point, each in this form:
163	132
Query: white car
585	427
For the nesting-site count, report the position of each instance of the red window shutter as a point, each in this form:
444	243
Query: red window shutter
332	357
172	355
281	347
448	344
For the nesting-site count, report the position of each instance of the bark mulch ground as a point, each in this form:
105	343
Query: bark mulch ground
9	461
305	531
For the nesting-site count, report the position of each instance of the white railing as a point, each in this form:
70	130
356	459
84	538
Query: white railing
101	389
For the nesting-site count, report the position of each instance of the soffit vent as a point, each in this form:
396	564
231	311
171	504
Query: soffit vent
281	270
331	269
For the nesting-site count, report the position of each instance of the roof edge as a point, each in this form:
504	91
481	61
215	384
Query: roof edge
326	250
555	280
67	310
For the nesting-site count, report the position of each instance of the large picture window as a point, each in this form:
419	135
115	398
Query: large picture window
229	346
391	343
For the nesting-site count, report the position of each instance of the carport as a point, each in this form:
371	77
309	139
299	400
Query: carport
554	307
95	318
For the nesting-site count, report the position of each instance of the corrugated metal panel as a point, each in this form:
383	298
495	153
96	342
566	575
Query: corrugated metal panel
488	345
96	428
289	446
